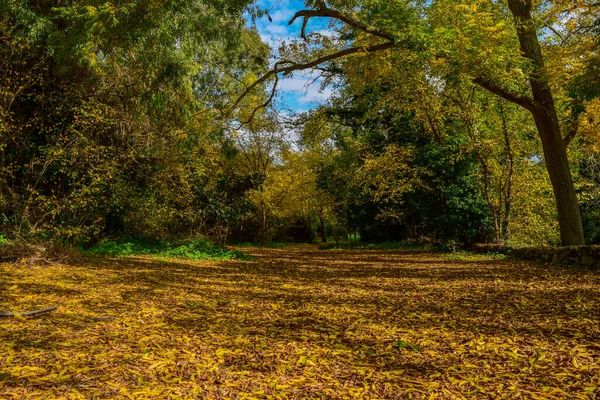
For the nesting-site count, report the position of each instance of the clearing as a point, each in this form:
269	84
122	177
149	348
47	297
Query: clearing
298	322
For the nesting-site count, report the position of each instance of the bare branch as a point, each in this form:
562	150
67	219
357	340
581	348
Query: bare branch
507	94
329	13
265	104
27	313
561	37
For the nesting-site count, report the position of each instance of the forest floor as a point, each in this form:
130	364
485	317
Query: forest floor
298	322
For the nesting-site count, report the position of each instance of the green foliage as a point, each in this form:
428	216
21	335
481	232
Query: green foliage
115	122
390	177
108	116
467	256
190	250
386	245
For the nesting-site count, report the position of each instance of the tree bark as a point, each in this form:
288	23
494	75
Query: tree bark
506	187
264	226
546	121
322	230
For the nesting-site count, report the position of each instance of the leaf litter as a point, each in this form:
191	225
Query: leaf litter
297	322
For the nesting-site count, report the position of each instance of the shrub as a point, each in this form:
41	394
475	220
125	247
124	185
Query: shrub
190	250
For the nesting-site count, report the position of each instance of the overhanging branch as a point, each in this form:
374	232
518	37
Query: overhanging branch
325	12
287	67
265	104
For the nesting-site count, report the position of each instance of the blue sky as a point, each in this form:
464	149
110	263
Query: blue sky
296	92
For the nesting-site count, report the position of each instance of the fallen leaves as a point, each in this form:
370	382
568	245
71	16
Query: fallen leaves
302	323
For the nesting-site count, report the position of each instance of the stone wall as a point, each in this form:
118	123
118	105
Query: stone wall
585	256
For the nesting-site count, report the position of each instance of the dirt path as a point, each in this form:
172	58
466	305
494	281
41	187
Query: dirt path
299	323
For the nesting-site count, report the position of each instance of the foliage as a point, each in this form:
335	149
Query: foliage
520	53
189	250
284	203
109	115
375	245
295	323
467	256
390	177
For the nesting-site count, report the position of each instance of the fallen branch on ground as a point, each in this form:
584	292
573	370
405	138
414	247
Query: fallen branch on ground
27	313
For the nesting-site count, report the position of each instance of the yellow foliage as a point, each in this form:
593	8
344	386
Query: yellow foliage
590	125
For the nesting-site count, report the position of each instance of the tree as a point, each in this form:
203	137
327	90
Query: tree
480	35
543	109
109	113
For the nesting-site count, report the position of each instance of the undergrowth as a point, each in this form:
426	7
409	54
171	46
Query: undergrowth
462	255
191	250
270	245
389	245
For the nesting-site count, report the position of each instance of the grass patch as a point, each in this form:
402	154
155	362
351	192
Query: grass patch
373	246
272	245
196	250
468	256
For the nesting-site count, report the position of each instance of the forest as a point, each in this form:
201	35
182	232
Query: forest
128	120
419	216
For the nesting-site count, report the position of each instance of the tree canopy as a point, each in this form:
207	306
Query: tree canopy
450	122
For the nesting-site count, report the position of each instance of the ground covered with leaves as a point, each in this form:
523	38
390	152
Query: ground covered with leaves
298	322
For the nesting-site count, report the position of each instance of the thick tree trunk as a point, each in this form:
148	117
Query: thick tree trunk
322	228
546	120
569	216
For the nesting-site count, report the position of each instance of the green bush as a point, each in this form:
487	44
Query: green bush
189	250
388	245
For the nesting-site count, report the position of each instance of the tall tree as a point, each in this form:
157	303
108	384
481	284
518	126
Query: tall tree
543	109
494	46
109	111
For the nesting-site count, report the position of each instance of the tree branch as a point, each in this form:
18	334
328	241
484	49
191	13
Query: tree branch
507	94
27	313
573	128
287	67
325	12
265	104
290	66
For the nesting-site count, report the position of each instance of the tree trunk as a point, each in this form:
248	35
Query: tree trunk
569	216
264	226
322	230
506	189
546	120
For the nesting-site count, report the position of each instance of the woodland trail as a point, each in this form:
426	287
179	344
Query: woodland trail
299	322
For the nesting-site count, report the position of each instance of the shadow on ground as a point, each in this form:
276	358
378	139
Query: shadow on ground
302	322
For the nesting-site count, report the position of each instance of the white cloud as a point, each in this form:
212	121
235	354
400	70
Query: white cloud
281	15
301	91
316	95
305	89
294	84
